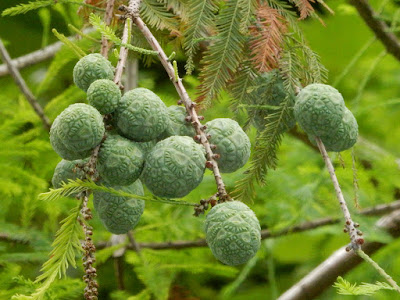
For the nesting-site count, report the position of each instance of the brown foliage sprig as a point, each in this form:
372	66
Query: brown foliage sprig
267	38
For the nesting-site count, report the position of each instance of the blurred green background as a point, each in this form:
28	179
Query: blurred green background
298	190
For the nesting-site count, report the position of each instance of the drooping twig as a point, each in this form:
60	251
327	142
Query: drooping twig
23	87
185	99
381	271
338	264
88	259
267	234
350	226
107	20
379	27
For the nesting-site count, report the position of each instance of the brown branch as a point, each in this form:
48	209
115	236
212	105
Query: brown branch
185	99
338	264
23	87
379	27
265	233
105	45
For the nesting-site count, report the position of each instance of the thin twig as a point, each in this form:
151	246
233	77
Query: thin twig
107	20
38	55
185	99
381	209
381	271
377	210
379	27
350	226
338	264
123	53
23	87
265	233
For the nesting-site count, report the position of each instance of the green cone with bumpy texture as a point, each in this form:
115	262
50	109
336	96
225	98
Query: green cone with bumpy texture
66	170
177	123
174	167
67	154
141	115
120	161
345	136
104	95
146	147
319	109
90	68
269	90
119	214
232	232
76	131
233	144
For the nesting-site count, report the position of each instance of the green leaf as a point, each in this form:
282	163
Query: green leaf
157	280
201	16
239	88
27	7
248	8
24	8
45	19
110	35
105	30
224	55
267	142
79	186
155	14
344	287
78	51
65	247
